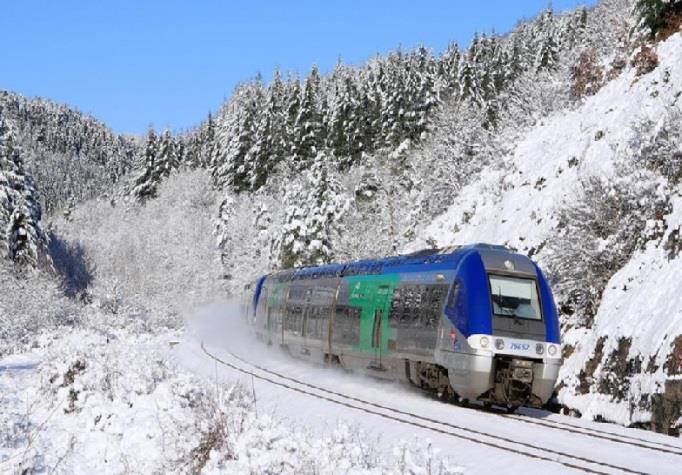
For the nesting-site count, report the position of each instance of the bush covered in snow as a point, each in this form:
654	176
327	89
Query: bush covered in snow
597	234
660	145
160	257
114	400
30	304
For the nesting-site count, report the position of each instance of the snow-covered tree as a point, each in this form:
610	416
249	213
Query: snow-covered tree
660	146
22	239
145	184
308	130
655	15
269	141
598	234
548	49
449	67
344	120
313	209
236	161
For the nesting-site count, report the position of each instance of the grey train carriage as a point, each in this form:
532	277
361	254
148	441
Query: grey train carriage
474	322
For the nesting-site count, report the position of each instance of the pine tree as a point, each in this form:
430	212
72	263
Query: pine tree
208	143
424	95
344	122
22	239
168	156
308	130
313	208
467	80
369	108
394	101
235	165
269	137
548	48
144	186
6	190
448	67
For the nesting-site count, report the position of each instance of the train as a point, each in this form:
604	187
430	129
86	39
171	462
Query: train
470	323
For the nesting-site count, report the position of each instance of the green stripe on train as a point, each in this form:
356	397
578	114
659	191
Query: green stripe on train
373	293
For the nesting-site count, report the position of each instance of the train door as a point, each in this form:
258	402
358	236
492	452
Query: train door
308	321
381	301
370	296
276	306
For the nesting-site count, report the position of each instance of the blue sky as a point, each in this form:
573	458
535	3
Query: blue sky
167	63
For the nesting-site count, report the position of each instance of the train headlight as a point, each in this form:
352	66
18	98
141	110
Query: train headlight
551	351
499	344
484	342
539	348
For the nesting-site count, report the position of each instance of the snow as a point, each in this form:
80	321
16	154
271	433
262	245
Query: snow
119	387
515	204
91	403
642	301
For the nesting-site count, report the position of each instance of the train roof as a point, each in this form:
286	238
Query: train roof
426	259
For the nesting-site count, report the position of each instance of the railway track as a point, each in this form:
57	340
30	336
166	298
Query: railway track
530	450
599	434
557	425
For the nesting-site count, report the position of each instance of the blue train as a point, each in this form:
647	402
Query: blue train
475	322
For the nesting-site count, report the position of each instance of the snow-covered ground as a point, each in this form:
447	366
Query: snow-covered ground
116	401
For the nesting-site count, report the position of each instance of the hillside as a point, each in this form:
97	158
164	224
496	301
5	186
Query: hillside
621	344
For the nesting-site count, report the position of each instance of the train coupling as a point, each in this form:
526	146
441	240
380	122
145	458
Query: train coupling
522	370
513	381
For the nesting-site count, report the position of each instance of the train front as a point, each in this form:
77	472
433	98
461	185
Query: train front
500	338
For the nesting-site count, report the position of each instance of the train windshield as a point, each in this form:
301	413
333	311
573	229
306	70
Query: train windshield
515	297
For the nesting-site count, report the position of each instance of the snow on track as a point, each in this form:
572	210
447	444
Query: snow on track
319	398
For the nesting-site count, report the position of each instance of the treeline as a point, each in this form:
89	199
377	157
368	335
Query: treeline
355	111
72	156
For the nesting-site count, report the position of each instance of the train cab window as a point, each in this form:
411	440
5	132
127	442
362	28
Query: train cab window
452	298
515	297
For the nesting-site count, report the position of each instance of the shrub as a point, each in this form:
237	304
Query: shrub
587	76
662	152
596	236
645	61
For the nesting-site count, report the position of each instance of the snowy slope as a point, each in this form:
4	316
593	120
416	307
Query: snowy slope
518	205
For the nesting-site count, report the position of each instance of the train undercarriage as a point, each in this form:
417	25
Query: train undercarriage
511	382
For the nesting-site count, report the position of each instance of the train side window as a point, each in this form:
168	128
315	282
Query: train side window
426	312
398	304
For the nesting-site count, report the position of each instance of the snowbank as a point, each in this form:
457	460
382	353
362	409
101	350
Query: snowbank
94	402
